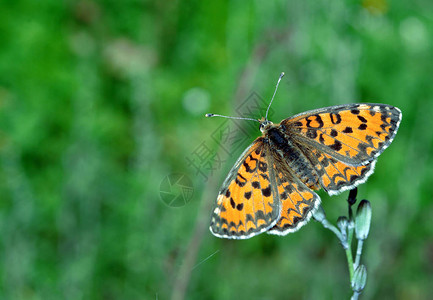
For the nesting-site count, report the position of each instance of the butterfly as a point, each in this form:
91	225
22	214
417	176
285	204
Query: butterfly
271	186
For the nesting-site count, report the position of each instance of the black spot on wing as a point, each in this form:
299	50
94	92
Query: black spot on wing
335	118
336	146
348	130
362	119
333	133
267	191
363	126
232	202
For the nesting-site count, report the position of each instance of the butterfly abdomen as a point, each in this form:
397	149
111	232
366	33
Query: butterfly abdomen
293	157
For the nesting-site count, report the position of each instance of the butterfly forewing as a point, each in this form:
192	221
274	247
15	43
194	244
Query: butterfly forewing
248	202
354	133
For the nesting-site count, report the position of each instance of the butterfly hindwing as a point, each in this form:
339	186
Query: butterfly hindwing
297	200
248	202
336	176
354	133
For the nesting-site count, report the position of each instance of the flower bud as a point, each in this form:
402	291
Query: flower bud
363	220
359	278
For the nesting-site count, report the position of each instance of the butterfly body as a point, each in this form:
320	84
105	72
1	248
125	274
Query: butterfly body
295	155
271	186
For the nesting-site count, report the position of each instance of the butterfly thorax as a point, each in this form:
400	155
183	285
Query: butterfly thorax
290	154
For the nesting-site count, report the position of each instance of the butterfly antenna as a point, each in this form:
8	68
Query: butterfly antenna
276	88
236	118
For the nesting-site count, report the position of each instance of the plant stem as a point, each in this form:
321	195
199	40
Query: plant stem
350	262
335	230
355	296
345	232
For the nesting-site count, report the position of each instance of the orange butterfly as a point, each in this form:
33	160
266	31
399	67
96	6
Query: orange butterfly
270	187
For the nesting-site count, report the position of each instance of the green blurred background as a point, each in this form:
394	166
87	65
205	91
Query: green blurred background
100	101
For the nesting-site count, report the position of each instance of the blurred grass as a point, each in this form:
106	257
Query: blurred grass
99	102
